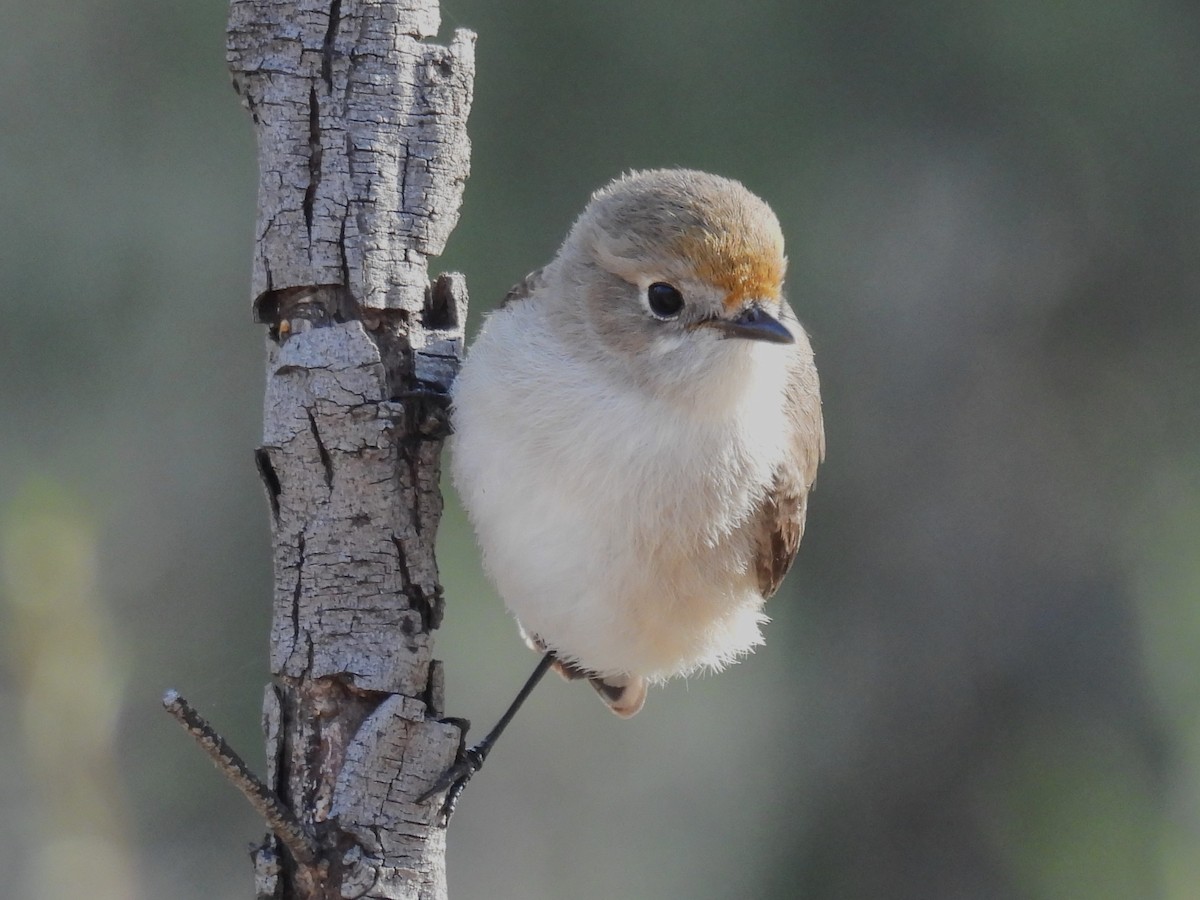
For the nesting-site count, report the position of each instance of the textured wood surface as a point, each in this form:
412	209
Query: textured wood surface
363	154
363	149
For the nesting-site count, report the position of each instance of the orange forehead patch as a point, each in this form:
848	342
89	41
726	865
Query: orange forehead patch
745	271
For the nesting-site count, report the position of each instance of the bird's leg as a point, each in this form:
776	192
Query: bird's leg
470	760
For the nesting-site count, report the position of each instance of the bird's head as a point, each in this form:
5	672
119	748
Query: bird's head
680	275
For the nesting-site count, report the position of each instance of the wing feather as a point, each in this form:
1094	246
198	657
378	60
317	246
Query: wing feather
780	519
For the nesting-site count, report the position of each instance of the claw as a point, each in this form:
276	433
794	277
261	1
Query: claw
454	782
426	410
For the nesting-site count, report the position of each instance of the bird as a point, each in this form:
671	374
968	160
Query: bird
635	434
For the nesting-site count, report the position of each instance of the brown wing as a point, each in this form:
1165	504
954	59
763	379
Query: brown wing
780	519
523	288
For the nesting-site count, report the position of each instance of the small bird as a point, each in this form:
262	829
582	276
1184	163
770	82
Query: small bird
636	432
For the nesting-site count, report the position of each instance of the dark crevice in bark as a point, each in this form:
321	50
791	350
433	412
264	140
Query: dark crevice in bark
314	160
342	251
326	461
404	178
428	610
327	47
440	312
298	590
270	479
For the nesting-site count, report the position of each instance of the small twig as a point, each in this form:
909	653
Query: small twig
286	826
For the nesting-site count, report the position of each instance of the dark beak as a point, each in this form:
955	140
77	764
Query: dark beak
756	324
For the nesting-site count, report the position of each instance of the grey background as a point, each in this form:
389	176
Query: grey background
981	677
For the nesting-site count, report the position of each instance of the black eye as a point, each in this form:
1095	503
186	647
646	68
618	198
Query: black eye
665	300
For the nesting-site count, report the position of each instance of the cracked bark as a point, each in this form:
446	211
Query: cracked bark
363	154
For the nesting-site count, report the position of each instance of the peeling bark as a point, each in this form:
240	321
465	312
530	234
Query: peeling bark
363	155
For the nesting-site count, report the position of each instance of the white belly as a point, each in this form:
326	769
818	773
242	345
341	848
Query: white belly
602	522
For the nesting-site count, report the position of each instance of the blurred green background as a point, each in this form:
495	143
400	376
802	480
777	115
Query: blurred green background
982	678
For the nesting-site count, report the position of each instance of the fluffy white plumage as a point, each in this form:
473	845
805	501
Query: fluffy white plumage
609	520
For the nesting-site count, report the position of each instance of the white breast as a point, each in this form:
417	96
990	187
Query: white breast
610	520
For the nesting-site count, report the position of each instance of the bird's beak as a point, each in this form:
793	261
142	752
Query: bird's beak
756	324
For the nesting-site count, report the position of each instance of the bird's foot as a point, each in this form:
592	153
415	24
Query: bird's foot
425	410
470	759
454	781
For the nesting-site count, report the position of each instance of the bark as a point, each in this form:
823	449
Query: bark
363	155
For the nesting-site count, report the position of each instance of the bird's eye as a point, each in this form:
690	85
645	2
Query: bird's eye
664	300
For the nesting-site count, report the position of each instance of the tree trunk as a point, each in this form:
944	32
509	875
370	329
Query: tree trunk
363	154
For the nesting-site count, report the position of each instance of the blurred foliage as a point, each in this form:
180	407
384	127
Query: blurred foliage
981	681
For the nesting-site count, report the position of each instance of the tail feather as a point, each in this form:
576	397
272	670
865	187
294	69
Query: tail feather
624	694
